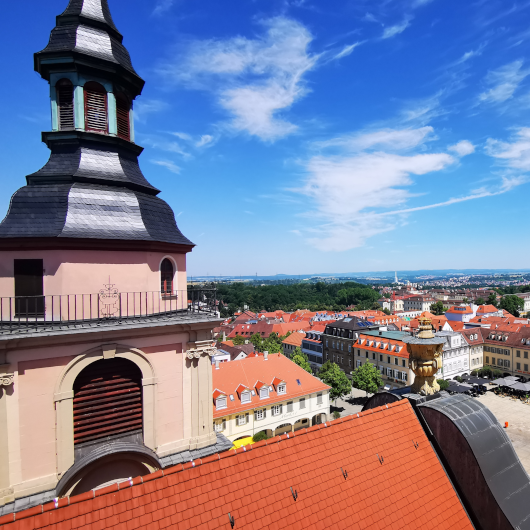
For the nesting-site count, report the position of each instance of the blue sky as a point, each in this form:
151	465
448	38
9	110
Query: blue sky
303	136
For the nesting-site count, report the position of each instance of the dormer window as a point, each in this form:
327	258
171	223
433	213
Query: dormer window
246	396
264	392
65	104
96	118
282	388
220	403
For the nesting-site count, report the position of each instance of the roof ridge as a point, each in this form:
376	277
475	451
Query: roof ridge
138	481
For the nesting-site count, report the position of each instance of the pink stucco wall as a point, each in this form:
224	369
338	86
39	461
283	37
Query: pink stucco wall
87	271
39	369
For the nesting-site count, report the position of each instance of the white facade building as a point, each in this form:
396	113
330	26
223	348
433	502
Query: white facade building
475	343
455	360
418	304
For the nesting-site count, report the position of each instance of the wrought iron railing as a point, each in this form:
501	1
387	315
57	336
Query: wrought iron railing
107	305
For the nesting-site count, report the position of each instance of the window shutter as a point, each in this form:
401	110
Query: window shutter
95	108
264	413
224	425
65	104
122	115
246	418
281	408
255	415
107	400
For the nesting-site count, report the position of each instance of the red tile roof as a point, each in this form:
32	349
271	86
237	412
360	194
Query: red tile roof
407	489
486	309
370	343
456	325
253	370
294	339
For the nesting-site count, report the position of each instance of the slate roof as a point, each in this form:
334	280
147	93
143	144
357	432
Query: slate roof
85	31
389	484
90	211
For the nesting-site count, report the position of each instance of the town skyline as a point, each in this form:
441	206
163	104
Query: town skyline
331	161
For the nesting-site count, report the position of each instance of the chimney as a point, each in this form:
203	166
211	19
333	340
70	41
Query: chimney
265	355
217	365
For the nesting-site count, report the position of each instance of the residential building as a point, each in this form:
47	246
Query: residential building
312	347
418	303
455	360
266	393
388	353
385	303
230	352
339	338
475	343
461	313
293	341
489	311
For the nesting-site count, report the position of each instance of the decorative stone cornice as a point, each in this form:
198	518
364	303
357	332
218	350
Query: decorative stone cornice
195	353
6	379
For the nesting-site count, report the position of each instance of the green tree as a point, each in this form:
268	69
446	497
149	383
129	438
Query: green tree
438	308
485	372
257	341
386	311
444	385
375	307
238	339
336	414
300	358
512	303
337	380
480	301
367	377
259	436
492	299
496	373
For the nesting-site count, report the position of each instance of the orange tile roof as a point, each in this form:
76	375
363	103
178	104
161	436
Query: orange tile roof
456	325
460	310
408	489
294	339
252	370
283	329
486	309
389	345
321	326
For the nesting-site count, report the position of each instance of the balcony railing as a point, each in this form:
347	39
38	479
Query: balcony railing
42	312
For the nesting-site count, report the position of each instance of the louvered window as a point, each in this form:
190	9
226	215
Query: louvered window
65	104
95	108
122	113
107	400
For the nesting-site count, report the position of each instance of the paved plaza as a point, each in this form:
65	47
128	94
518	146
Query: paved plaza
517	414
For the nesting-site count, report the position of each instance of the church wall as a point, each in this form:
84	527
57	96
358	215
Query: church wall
86	272
39	420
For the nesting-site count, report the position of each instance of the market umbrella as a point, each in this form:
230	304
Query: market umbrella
521	386
504	382
461	389
512	378
478	381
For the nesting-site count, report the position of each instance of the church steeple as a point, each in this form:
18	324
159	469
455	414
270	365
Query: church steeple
92	186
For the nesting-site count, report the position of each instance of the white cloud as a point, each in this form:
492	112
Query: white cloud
205	140
393	139
514	154
255	80
182	136
347	50
362	188
462	148
168	165
165	145
163	6
392	31
503	82
144	107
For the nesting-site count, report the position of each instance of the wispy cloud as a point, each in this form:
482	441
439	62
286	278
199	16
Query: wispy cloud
169	146
514	154
205	140
503	82
392	31
171	166
144	107
162	6
347	50
367	179
254	80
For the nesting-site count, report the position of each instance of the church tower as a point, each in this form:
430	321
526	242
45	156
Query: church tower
89	212
105	355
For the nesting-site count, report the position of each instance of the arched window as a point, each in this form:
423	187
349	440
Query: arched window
65	104
123	106
107	400
166	276
95	108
